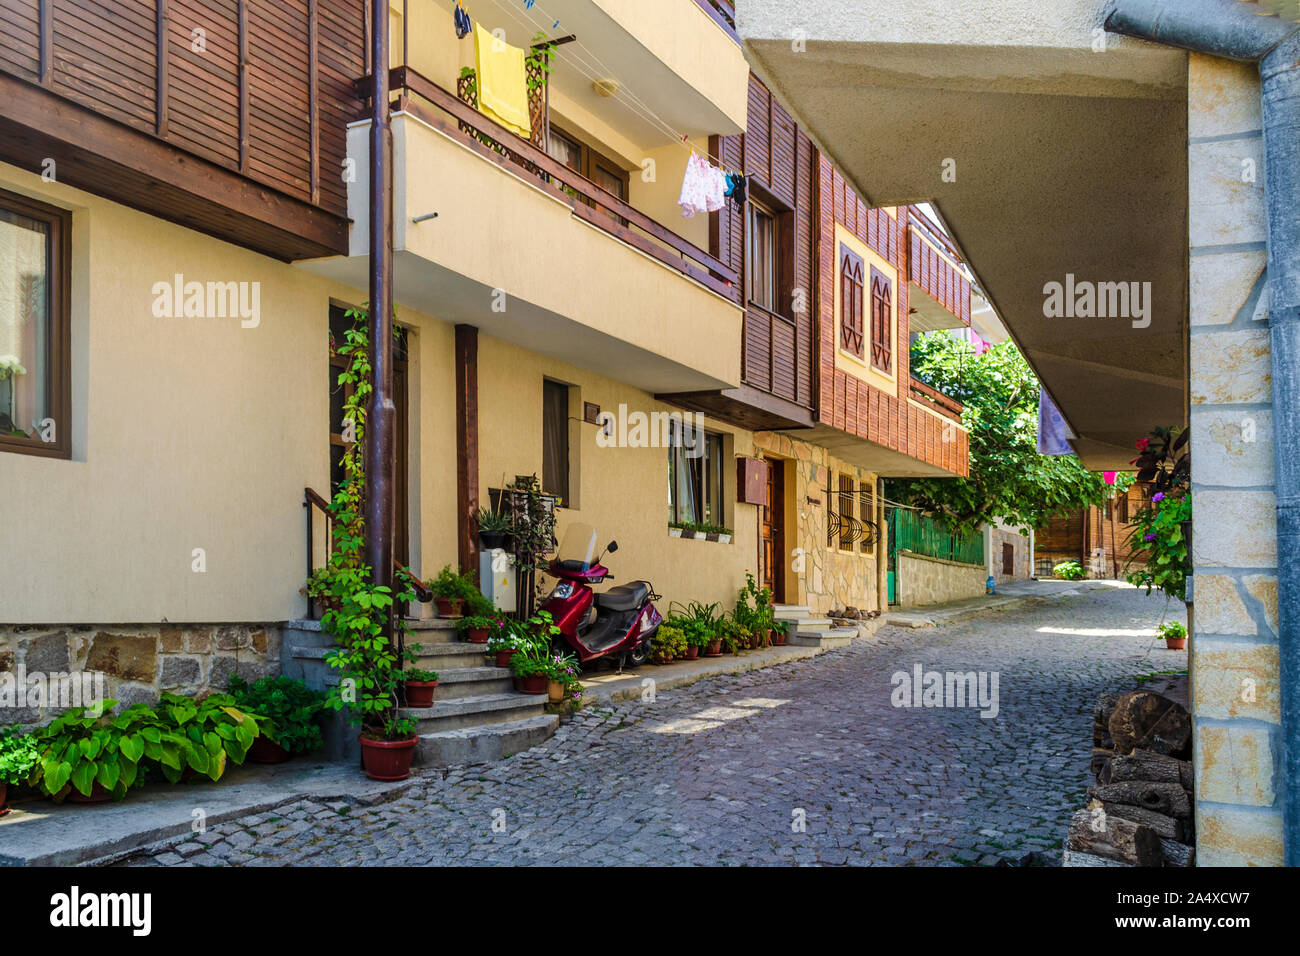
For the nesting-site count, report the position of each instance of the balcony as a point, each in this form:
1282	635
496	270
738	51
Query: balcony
533	253
941	292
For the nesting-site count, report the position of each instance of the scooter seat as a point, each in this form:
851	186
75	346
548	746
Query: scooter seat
625	597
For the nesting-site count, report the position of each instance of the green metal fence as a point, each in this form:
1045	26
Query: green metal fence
910	531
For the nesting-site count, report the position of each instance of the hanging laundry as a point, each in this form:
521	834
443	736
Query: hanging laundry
502	84
738	188
1054	432
463	25
704	187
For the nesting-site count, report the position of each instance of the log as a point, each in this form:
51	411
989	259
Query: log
1149	766
1104	708
1167	798
1144	720
1100	762
1163	826
1075	858
1114	838
1178	854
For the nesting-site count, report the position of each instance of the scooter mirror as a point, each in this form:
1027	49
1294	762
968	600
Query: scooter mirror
613	546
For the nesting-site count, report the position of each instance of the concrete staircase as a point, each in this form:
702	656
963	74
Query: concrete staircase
477	716
812	631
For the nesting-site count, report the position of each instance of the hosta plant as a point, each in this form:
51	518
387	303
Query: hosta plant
290	707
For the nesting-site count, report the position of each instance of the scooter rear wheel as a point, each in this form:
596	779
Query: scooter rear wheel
638	655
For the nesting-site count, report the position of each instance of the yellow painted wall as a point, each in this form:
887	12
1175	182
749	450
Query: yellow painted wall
189	433
623	492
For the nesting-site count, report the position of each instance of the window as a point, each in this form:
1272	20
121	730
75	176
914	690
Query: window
881	324
851	302
555	439
762	257
847	532
35	245
588	163
1123	509
695	467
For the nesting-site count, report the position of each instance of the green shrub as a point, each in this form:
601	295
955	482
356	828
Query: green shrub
1069	571
18	754
1172	630
290	706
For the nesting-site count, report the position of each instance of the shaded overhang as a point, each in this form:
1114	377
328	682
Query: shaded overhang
1050	149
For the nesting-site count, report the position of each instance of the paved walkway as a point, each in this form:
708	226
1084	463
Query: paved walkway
805	762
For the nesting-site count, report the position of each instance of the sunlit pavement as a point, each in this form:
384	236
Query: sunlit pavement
807	762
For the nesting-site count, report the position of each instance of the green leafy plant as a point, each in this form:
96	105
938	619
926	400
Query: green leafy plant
1158	540
216	728
754	610
565	669
1069	571
482	622
418	676
533	527
18	754
290	707
447	584
540	60
668	643
735	637
1171	631
489	520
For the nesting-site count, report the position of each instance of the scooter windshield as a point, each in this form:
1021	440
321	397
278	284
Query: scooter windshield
578	547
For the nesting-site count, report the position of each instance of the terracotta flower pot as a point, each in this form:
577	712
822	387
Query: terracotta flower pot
448	607
1175	643
778	637
535	684
420	693
97	795
266	750
4	792
714	649
554	691
387	759
692	652
503	657
477	635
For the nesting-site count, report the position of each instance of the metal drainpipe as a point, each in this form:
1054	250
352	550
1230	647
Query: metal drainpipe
1235	30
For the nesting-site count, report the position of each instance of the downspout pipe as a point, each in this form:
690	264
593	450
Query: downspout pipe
1235	30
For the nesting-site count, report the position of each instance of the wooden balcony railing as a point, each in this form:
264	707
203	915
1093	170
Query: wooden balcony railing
450	115
941	403
930	229
723	13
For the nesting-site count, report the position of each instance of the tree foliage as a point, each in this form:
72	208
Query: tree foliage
1008	478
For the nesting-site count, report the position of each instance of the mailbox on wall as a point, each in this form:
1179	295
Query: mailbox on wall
751	481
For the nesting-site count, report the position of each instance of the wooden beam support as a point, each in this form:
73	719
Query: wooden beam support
313	95
161	89
243	85
46	41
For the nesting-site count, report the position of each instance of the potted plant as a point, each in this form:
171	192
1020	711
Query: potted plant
714	647
562	677
754	611
667	644
18	756
291	709
505	644
1174	635
479	628
448	592
675	529
780	633
494	528
532	669
418	686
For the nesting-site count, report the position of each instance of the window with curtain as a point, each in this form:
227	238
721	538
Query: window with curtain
555	439
33	326
762	257
695	476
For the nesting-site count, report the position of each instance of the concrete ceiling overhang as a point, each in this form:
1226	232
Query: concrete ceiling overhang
1060	160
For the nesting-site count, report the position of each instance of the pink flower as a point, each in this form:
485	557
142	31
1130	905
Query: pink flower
1142	444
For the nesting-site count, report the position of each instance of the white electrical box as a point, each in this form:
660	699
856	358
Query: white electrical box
498	578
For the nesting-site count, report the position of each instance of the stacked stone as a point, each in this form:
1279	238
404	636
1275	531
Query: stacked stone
1140	812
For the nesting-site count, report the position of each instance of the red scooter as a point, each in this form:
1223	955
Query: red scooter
617	623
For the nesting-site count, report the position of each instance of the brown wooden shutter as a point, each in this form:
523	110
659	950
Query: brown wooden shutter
851	302
881	298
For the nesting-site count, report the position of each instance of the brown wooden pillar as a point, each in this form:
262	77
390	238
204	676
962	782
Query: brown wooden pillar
467	446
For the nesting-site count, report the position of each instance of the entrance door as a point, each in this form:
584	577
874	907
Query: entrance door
1008	560
772	530
339	394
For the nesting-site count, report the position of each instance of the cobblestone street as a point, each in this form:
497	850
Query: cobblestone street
807	762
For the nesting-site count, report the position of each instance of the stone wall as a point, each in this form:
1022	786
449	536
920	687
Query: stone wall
137	662
830	577
1234	648
925	580
1023	566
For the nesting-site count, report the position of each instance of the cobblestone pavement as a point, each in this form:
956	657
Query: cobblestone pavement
803	763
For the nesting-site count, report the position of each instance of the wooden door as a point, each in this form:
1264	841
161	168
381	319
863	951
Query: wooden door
772	530
1008	560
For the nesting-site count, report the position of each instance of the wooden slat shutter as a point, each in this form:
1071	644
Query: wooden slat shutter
851	302
881	299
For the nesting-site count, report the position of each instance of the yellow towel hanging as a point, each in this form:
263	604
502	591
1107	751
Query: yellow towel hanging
502	82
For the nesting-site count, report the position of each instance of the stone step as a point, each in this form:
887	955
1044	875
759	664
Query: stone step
825	637
811	623
789	612
459	713
485	743
433	631
451	656
472	682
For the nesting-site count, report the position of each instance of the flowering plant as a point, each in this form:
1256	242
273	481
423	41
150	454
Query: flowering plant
1158	527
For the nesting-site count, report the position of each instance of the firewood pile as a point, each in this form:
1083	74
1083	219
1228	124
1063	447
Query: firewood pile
1139	812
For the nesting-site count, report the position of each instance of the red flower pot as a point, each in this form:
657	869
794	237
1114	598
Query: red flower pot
387	759
692	652
536	684
266	750
4	792
420	693
503	657
778	637
477	635
1175	643
714	649
97	795
448	607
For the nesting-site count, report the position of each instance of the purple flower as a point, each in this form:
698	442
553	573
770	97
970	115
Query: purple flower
1158	496
1148	537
